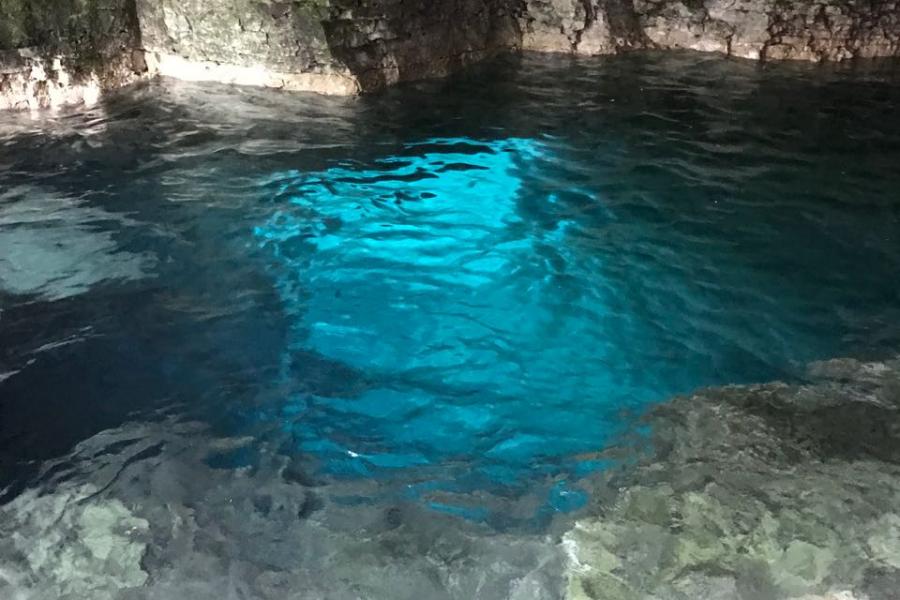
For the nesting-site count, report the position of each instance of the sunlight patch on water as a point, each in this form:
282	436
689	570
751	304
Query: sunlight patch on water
471	315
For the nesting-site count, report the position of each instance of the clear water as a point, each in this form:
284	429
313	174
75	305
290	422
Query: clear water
459	287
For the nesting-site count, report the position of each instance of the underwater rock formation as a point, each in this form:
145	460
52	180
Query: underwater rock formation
813	30
149	512
51	251
70	544
763	491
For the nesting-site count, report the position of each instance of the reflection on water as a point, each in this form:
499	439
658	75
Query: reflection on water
57	247
233	319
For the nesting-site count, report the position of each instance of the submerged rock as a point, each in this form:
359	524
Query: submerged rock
168	525
765	491
70	544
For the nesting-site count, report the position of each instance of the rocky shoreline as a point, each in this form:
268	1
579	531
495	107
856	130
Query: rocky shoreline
756	492
351	46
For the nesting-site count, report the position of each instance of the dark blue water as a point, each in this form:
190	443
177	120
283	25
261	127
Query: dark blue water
464	285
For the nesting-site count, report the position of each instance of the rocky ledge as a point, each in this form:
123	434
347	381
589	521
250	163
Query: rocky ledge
755	492
73	49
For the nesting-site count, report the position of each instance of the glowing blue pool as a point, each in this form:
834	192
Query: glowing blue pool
426	272
464	290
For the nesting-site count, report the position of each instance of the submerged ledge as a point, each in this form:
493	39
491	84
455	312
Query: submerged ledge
768	491
758	491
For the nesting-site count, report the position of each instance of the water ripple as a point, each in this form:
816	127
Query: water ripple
477	279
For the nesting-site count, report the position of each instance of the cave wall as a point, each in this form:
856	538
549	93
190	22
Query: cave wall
389	41
270	43
55	52
63	51
814	30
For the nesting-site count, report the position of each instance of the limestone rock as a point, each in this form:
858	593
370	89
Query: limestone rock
70	545
766	491
585	27
269	44
347	46
386	42
770	29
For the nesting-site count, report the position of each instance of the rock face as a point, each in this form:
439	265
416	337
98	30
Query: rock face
758	29
772	29
70	544
73	50
56	52
339	47
390	41
271	44
768	491
585	27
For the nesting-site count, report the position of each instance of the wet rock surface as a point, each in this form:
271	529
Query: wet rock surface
813	30
347	46
748	492
55	53
368	44
161	511
387	42
270	44
764	491
30	80
70	544
583	27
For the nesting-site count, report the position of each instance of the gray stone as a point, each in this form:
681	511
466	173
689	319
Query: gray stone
770	491
71	544
348	46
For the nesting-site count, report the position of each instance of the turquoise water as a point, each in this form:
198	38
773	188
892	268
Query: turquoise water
462	286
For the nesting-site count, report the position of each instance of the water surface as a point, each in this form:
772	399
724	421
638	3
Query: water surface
457	290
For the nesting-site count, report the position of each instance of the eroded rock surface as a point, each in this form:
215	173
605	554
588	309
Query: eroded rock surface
767	491
339	46
271	44
390	41
70	544
165	510
54	52
585	27
772	29
347	46
758	29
